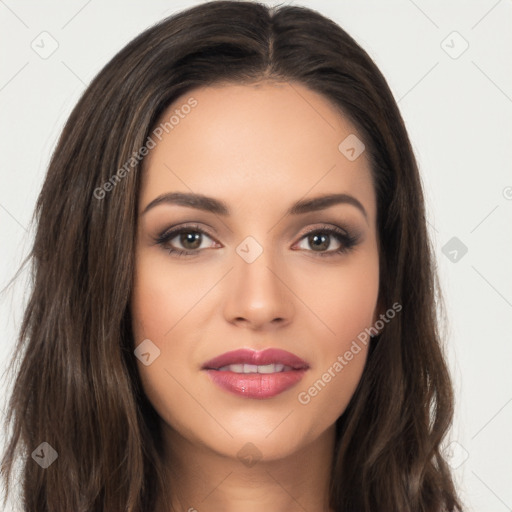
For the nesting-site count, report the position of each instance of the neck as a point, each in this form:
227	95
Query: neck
202	480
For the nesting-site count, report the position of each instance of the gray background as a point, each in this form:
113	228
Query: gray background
457	104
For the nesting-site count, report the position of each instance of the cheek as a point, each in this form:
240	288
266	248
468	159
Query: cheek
159	307
347	309
162	297
344	301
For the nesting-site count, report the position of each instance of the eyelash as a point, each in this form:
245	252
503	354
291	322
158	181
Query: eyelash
347	241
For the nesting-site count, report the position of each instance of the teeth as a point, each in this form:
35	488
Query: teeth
237	368
270	368
252	368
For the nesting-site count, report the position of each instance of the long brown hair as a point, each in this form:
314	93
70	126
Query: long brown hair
77	386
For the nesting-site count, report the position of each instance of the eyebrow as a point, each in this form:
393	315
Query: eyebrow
216	206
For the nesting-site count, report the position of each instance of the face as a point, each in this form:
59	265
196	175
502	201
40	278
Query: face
258	272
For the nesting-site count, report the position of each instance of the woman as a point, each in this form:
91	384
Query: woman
234	291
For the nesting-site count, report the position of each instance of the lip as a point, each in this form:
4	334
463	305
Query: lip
263	357
256	385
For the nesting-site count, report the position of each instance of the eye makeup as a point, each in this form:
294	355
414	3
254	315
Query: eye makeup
318	235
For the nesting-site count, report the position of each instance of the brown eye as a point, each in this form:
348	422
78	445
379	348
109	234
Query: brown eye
184	241
190	237
320	240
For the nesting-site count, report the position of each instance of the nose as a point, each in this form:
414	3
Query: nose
258	296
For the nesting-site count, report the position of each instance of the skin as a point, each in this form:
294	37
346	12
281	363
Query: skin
259	148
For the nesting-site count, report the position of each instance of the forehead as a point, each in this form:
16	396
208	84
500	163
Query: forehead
268	142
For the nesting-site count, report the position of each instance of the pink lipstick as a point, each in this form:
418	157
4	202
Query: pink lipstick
254	374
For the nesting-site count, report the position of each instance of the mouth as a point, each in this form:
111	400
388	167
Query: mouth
271	360
252	374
